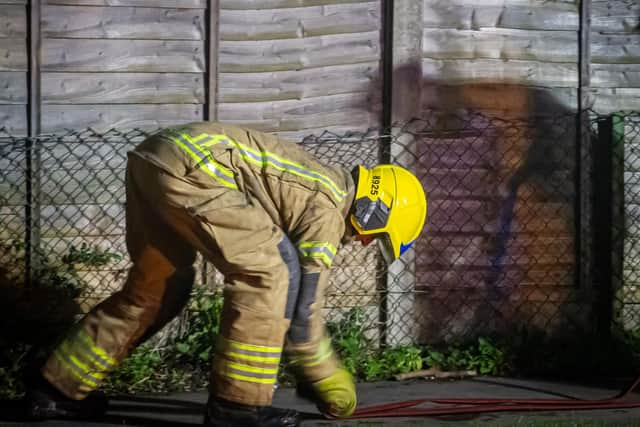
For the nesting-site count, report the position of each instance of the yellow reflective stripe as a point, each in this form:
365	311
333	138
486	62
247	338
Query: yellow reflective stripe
98	352
266	158
253	358
326	245
211	167
74	357
252	347
223	170
251	352
86	368
73	370
253	369
251	379
323	250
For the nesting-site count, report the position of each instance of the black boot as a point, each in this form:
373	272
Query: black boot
221	413
43	401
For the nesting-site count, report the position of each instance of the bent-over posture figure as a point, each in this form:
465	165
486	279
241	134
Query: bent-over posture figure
270	217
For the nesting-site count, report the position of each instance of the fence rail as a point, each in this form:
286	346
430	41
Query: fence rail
520	215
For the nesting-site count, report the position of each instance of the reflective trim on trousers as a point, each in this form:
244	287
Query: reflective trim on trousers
265	359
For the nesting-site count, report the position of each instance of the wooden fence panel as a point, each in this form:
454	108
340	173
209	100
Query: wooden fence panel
123	88
57	117
615	55
13	67
187	4
298	67
122	23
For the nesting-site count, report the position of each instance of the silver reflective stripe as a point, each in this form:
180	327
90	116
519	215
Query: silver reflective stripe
257	353
252	374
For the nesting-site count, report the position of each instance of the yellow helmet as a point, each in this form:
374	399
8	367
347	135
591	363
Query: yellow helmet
389	201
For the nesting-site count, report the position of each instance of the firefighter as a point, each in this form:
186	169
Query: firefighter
270	217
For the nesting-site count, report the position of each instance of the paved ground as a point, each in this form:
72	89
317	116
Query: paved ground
185	409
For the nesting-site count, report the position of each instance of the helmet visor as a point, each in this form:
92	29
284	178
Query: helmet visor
386	248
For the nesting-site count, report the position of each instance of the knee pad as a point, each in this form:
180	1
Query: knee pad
335	396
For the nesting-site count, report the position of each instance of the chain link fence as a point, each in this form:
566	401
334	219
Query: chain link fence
508	242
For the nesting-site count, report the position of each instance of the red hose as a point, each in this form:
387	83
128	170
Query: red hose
481	405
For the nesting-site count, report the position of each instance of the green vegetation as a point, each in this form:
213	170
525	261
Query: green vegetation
33	317
182	362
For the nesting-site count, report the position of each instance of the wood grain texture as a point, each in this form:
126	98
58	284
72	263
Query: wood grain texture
505	44
306	83
475	14
616	76
122	55
102	117
296	54
615	16
299	22
14	119
13	88
359	122
497	71
13	21
13	54
611	100
195	4
505	99
305	110
615	48
276	4
122	23
123	88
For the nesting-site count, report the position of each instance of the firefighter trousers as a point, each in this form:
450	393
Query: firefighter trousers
162	239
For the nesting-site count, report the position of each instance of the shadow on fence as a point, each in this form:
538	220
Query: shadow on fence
509	239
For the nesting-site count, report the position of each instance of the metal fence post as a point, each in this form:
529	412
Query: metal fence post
32	211
32	148
606	184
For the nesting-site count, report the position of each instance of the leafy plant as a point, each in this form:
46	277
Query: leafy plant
197	344
33	316
350	340
141	366
485	356
12	364
391	361
89	256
